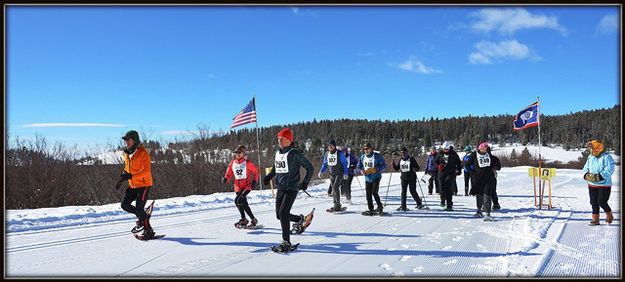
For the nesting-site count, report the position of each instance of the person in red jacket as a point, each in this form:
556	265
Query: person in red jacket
245	177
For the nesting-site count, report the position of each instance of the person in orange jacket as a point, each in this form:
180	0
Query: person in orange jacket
139	176
245	177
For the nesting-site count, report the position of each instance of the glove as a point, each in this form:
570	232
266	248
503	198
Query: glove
266	180
458	172
371	170
319	174
126	176
224	180
345	176
303	186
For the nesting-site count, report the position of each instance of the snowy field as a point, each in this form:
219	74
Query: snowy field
202	242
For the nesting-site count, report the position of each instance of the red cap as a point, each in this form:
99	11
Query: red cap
286	133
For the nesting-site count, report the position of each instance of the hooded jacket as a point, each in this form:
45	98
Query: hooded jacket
602	164
138	164
286	166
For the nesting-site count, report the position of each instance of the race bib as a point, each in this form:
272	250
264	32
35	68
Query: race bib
281	163
368	163
483	160
240	170
404	165
332	159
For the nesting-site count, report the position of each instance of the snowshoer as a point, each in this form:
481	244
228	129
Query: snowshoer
408	167
448	165
137	171
352	162
493	194
454	183
335	163
245	176
430	169
598	172
286	170
485	164
371	165
467	169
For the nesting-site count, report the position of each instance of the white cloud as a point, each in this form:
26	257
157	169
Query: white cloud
487	52
508	21
72	124
607	24
295	10
210	75
412	64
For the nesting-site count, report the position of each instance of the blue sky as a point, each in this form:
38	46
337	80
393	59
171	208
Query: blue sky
83	75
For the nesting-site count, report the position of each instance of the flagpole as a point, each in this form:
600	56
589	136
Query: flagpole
260	167
541	183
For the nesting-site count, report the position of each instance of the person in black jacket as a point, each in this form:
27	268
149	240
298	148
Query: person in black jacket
286	167
449	166
484	164
408	167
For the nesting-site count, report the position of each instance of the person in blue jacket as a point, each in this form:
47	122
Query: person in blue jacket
430	169
352	162
371	165
598	172
467	169
334	161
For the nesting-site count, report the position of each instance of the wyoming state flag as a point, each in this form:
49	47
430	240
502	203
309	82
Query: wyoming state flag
527	118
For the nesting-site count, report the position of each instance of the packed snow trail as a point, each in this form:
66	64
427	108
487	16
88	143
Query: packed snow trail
201	240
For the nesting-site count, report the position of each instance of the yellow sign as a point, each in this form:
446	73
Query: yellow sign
545	173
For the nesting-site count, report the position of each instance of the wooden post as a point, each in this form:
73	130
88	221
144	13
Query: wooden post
549	193
534	177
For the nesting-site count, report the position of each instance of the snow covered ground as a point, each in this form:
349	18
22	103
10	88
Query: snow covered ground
550	153
202	242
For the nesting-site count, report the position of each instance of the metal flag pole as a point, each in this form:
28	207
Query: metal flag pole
541	185
258	146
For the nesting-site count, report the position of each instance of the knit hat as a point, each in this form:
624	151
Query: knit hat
446	145
286	133
596	147
403	149
468	148
368	146
332	142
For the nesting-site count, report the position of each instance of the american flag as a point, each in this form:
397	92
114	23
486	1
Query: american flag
247	115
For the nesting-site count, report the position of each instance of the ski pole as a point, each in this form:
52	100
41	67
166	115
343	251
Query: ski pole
424	200
387	187
361	187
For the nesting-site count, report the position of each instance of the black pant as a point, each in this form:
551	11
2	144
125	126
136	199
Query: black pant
372	189
335	182
467	180
413	191
346	188
284	202
141	196
483	203
241	201
599	198
493	194
433	181
447	186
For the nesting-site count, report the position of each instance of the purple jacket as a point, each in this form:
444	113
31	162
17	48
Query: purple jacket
352	162
429	164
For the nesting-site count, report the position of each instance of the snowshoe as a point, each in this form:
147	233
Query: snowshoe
284	247
488	218
368	213
300	227
442	205
148	234
419	207
448	209
336	210
242	223
402	209
478	215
